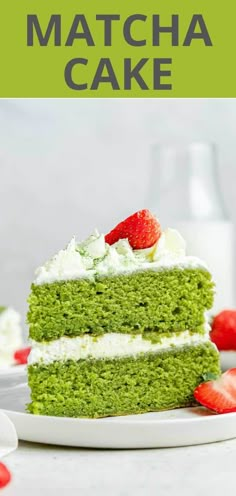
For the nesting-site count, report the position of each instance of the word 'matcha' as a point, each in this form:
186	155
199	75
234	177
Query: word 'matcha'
105	73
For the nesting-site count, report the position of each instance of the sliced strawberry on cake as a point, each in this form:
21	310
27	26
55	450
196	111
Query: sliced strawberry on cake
142	230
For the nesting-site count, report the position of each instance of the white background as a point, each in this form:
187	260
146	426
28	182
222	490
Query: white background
68	166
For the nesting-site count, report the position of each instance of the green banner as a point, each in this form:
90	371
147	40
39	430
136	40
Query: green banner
132	48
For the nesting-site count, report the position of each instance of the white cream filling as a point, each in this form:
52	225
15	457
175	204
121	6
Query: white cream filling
10	336
110	345
95	257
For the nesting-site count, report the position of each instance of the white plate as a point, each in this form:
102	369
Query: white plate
183	427
228	360
12	376
12	370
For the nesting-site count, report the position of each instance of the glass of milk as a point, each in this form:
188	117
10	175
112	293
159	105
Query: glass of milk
185	193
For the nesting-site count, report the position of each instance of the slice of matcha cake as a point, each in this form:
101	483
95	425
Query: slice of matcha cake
118	324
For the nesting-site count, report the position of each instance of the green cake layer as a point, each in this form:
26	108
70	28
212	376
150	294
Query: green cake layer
143	303
99	388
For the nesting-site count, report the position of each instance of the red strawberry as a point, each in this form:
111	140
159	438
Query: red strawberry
142	230
223	332
5	475
218	395
21	356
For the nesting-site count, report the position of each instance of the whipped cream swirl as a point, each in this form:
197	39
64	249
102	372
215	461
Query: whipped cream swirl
94	257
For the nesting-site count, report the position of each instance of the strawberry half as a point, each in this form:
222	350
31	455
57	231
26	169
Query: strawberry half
218	395
223	332
141	229
21	356
5	475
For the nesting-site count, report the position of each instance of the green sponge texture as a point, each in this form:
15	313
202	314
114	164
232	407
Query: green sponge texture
140	303
99	388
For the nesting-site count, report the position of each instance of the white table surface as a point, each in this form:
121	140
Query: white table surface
193	471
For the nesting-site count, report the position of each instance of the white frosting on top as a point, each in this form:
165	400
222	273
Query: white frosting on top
95	257
10	336
109	345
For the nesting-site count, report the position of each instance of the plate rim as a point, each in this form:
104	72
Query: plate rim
12	370
125	420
